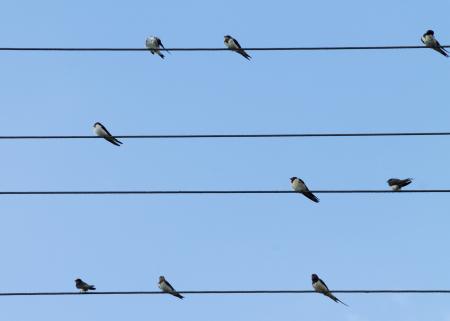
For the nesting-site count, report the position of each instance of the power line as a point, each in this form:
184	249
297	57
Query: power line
193	136
218	192
225	292
219	49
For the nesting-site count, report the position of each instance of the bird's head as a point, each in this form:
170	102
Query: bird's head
97	124
430	32
161	279
78	281
314	277
293	178
391	181
227	37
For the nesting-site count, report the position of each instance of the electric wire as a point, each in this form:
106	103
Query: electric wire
160	192
225	292
195	136
322	48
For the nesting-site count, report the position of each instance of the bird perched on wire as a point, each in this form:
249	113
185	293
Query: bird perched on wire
320	287
397	184
83	286
101	131
165	286
431	42
234	45
299	185
154	44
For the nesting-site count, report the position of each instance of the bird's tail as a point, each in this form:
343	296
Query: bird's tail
407	181
244	54
441	50
312	197
178	295
112	141
161	55
332	297
165	49
92	287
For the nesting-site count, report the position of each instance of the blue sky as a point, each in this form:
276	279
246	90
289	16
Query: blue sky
222	242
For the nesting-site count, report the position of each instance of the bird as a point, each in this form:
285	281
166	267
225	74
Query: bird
299	185
431	42
320	287
154	44
83	286
101	131
397	184
165	286
234	45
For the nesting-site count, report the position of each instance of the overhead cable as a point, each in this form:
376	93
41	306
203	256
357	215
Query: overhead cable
160	192
195	136
118	49
224	292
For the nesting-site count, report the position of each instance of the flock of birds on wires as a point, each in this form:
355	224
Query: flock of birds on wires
297	184
155	46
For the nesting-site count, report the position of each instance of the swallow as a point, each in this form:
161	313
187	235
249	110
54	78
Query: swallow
299	186
397	184
234	45
165	286
101	131
320	287
83	286
154	44
431	42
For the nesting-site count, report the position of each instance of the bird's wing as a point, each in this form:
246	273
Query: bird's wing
162	46
111	138
170	286
324	284
236	43
83	285
106	131
405	182
394	181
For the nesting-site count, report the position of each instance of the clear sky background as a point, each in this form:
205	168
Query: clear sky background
224	242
